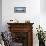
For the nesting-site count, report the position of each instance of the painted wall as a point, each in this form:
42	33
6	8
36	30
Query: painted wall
43	6
43	14
33	11
0	15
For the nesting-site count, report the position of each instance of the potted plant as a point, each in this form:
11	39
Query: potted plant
41	36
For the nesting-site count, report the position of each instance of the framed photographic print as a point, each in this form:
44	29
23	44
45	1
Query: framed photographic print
19	9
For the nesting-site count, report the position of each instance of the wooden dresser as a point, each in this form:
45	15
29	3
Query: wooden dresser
22	33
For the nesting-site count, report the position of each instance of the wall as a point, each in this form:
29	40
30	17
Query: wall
43	14
0	15
43	6
33	11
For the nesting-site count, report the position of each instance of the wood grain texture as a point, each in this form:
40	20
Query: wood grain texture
23	27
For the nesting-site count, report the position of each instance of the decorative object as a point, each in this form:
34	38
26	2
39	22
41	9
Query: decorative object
41	36
7	38
27	21
1	40
19	9
13	21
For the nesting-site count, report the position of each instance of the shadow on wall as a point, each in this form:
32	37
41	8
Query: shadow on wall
0	15
43	6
